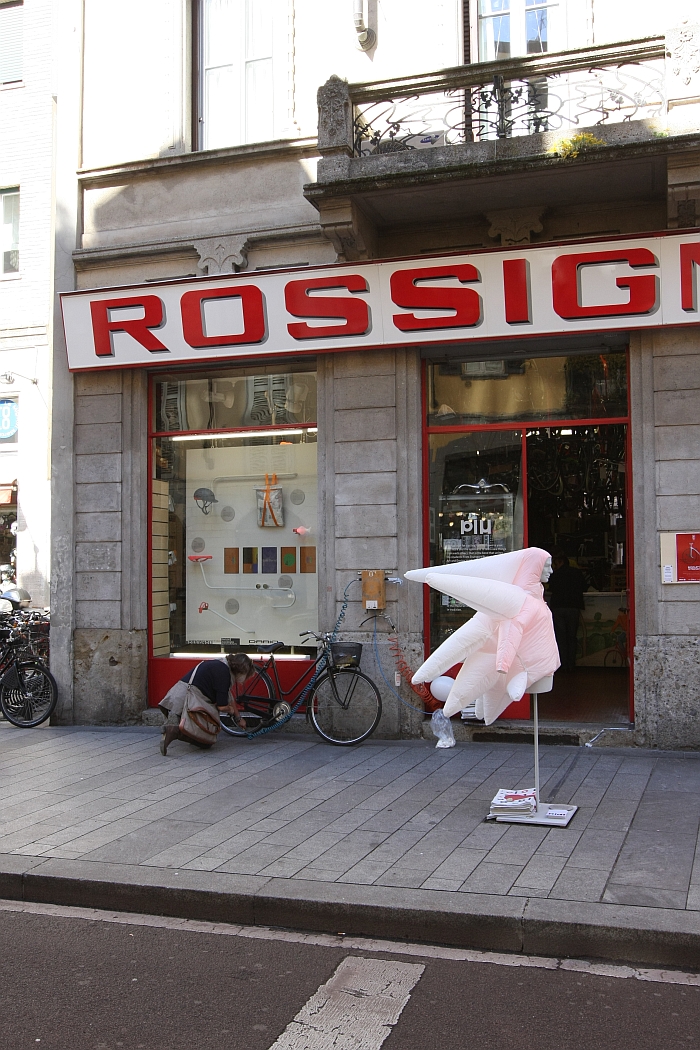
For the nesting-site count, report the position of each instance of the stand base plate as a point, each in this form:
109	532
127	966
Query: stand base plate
548	814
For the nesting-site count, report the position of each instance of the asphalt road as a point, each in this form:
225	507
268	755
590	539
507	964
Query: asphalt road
68	983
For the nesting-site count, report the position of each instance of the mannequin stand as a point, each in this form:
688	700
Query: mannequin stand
548	813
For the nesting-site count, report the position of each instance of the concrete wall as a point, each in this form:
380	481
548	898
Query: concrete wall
665	387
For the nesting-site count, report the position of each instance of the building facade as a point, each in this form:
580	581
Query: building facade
26	290
309	259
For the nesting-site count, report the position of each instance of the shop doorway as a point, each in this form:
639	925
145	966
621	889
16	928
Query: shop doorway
506	469
577	508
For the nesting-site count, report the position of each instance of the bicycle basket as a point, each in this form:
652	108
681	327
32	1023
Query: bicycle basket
346	654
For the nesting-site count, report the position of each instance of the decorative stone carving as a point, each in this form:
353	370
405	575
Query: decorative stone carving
334	117
683	53
515	225
348	230
683	78
222	254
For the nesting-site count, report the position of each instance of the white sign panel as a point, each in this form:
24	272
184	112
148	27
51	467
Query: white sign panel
624	283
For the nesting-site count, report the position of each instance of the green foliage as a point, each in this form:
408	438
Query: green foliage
575	145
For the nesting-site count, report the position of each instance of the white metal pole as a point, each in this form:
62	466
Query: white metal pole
537	749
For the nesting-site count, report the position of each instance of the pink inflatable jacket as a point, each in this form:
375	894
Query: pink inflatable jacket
508	645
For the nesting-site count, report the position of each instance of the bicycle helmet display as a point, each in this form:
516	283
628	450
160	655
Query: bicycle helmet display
204	498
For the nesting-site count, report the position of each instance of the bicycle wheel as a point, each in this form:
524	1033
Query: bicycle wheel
256	703
28	694
613	658
345	707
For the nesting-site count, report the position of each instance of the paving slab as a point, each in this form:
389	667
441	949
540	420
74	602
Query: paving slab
386	839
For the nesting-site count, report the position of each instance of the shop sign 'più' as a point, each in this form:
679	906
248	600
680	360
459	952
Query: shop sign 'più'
622	283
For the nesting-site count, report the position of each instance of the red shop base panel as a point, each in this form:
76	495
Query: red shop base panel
165	671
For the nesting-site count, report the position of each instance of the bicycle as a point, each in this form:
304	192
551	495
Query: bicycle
28	690
343	706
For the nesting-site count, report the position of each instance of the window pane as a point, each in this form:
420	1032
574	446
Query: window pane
476	508
221	31
258	29
589	386
222	123
494	38
229	402
9	233
260	125
11	43
228	570
536	31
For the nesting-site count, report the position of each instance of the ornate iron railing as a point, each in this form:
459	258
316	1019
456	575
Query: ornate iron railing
499	100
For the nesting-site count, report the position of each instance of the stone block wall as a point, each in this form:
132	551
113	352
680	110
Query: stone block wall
370	511
665	389
110	548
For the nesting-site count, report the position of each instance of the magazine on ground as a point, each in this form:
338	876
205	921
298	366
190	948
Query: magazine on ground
520	800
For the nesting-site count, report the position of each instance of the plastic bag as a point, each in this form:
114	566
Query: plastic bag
442	728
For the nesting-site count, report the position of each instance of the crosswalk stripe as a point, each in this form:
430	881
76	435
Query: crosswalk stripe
354	1010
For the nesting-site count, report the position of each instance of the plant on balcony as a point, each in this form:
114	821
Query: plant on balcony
575	145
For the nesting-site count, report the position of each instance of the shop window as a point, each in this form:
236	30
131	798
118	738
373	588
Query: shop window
11	42
243	70
534	452
9	231
234	512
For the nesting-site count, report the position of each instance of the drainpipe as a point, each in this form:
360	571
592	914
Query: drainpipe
366	37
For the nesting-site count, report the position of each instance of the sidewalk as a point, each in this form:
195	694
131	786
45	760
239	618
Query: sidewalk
387	839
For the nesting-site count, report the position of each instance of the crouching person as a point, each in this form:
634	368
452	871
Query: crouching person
194	705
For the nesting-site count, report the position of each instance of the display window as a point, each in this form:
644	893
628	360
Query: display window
233	512
559	480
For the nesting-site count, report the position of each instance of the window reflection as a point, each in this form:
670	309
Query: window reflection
226	401
588	386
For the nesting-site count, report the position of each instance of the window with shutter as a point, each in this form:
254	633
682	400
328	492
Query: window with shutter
244	69
9	231
11	42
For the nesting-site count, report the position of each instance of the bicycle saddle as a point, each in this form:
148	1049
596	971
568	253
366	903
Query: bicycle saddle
271	647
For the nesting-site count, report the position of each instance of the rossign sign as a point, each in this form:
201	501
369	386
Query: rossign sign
624	283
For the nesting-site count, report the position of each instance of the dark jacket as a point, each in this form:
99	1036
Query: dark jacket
214	679
566	588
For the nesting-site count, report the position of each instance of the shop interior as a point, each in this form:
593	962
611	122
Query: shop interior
553	482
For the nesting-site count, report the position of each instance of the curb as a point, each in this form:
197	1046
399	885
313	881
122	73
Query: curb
528	925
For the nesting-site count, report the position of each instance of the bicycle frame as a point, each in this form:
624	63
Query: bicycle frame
248	700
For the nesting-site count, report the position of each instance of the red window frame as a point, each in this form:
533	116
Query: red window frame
524	426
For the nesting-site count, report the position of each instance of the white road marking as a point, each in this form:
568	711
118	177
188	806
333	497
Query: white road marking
354	1010
364	944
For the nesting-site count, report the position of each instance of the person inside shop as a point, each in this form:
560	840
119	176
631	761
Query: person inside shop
567	586
214	682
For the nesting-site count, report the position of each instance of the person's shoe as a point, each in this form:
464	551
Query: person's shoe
170	733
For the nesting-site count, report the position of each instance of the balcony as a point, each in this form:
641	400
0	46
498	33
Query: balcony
457	146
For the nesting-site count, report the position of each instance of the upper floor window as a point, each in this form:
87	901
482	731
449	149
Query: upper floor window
243	71
9	231
11	42
513	28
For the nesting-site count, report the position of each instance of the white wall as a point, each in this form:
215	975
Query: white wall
26	133
626	20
